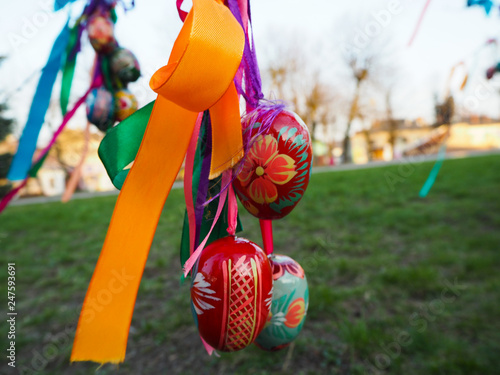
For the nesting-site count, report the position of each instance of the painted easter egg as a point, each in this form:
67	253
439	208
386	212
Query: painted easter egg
289	304
231	293
125	104
124	65
100	108
100	30
276	169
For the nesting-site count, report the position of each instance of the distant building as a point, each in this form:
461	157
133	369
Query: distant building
416	137
65	155
61	161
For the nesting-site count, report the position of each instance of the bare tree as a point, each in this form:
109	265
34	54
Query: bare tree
292	80
368	63
313	105
391	121
444	111
360	72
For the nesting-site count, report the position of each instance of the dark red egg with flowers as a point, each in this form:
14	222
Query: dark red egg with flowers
276	168
231	293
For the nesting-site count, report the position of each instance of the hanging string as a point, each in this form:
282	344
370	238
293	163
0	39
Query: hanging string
419	22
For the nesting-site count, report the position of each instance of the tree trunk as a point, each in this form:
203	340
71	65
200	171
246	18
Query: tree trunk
353	113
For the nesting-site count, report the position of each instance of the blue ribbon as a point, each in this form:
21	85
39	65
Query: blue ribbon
434	172
487	4
27	144
59	4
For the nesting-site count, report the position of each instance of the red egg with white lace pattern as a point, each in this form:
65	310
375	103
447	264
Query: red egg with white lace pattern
231	293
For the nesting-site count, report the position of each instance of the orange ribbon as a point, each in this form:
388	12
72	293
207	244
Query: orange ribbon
199	76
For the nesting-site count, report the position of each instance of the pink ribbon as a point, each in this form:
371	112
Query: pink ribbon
419	22
232	211
77	172
182	14
188	183
226	179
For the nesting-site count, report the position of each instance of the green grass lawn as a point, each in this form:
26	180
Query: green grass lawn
398	284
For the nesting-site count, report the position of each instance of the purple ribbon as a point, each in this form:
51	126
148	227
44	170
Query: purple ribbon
253	82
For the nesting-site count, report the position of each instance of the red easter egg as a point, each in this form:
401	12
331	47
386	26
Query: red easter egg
231	293
100	30
276	168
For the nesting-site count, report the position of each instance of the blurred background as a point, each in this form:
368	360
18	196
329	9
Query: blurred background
399	284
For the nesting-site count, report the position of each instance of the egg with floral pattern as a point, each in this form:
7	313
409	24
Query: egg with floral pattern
125	104
100	30
124	65
276	168
231	293
289	304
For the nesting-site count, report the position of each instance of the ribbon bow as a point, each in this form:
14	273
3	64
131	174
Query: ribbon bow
199	76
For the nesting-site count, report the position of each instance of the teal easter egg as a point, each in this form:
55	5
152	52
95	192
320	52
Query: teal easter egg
289	304
100	108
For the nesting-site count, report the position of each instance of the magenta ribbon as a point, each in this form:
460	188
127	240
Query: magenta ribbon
226	178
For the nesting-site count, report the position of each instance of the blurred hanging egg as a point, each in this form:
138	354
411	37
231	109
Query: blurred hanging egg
125	104
231	293
124	65
289	304
100	30
100	108
276	168
492	70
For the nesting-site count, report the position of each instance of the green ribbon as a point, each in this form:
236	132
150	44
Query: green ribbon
120	145
69	68
113	15
106	73
434	172
36	167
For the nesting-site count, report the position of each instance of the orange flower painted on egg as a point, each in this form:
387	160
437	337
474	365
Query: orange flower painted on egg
295	313
264	168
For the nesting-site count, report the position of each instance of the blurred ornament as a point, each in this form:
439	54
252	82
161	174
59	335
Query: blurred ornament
492	70
231	293
125	104
289	304
124	65
276	169
100	108
100	30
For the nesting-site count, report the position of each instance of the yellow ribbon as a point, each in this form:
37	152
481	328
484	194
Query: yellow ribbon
199	76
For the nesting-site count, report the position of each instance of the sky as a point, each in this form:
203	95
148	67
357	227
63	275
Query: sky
321	29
